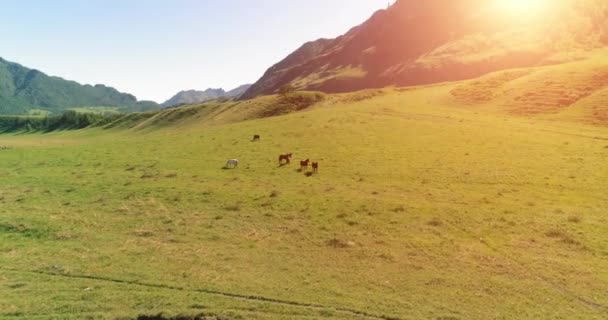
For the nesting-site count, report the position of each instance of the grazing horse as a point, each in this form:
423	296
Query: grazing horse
256	137
233	163
315	167
304	164
286	157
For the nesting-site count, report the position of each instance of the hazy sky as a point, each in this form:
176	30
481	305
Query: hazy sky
154	48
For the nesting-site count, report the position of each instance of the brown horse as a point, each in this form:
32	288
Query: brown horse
315	167
256	137
286	157
304	164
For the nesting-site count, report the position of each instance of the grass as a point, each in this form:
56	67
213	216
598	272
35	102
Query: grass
324	75
423	208
571	90
99	110
38	112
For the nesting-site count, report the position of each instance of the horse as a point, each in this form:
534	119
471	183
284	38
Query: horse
286	157
256	137
233	163
304	164
315	167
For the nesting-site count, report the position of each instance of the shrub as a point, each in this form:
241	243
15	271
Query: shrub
435	223
399	209
286	89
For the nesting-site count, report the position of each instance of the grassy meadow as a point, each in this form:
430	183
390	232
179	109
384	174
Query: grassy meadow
426	206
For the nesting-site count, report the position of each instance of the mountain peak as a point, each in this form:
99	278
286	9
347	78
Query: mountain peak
194	96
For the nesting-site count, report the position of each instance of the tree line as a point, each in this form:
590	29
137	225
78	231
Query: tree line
69	120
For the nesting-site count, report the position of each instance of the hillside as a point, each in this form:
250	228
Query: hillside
574	90
194	96
24	90
461	39
426	206
483	197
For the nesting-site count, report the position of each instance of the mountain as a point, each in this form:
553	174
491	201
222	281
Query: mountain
238	91
194	96
417	42
23	90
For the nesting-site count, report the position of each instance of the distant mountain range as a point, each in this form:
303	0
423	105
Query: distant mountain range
416	42
24	90
29	91
193	96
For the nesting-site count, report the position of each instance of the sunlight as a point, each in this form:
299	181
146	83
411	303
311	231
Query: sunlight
522	8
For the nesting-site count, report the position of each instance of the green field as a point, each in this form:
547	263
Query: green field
98	110
426	206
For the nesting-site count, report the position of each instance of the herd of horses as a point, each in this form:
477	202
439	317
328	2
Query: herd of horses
303	164
284	159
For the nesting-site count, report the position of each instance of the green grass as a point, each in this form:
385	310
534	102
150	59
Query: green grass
38	112
424	208
99	110
573	90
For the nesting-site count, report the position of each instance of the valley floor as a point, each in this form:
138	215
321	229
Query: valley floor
422	209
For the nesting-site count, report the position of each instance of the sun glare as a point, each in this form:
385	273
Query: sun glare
523	8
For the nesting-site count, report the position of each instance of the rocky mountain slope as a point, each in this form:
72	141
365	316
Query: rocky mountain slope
421	42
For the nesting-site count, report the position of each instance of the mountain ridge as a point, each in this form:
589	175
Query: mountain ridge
461	39
196	96
23	89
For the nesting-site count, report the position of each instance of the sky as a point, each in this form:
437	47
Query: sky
155	48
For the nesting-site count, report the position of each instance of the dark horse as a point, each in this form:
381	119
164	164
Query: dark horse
256	137
304	164
286	157
315	167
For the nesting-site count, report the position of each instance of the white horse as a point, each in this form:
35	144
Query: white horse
232	163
